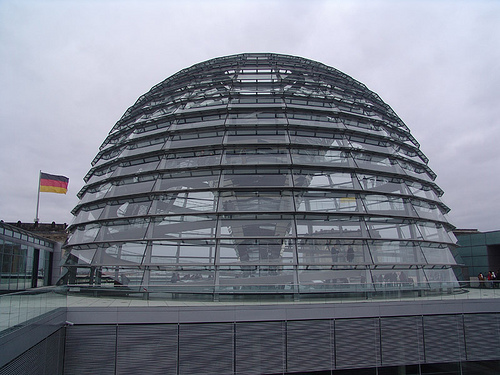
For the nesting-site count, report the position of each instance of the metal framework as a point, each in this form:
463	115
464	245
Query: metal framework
260	173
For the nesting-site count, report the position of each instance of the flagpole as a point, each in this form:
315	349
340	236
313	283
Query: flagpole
38	197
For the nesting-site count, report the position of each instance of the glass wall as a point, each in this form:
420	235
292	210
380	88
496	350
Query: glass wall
25	259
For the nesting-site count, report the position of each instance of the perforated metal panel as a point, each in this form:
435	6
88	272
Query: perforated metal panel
45	358
260	348
482	336
402	340
54	353
357	343
309	345
146	349
444	338
90	350
206	349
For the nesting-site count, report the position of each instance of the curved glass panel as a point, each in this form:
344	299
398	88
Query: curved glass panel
182	252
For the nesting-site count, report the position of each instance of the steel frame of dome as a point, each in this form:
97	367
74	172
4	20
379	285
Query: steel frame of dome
260	173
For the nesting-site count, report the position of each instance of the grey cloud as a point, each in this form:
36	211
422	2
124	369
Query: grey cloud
70	69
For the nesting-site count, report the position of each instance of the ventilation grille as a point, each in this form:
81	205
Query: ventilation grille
357	343
206	349
260	348
402	340
482	334
90	350
444	338
309	346
45	358
147	349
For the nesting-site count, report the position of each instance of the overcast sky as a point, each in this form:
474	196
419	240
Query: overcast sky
70	69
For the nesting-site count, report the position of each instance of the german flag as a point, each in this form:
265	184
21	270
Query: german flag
50	183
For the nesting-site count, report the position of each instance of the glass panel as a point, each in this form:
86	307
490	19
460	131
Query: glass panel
357	125
441	278
196	140
370	144
399	279
434	232
184	226
82	256
81	275
382	184
332	252
127	208
191	159
256	178
383	204
407	153
128	253
330	226
101	174
133	187
308	119
210	102
95	193
256	201
252	136
255	226
326	202
318	280
254	118
142	147
376	162
318	179
269	251
182	252
256	278
189	180
437	253
316	138
88	214
415	170
396	252
321	157
185	202
392	228
427	210
256	156
188	281
423	191
197	125
120	276
84	233
131	229
138	166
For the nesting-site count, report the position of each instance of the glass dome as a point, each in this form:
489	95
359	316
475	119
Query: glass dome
260	173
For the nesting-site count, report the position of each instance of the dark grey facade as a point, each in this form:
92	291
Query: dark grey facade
479	251
260	173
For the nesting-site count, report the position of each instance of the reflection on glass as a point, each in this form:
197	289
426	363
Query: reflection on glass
183	252
396	252
323	179
245	251
256	201
325	202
